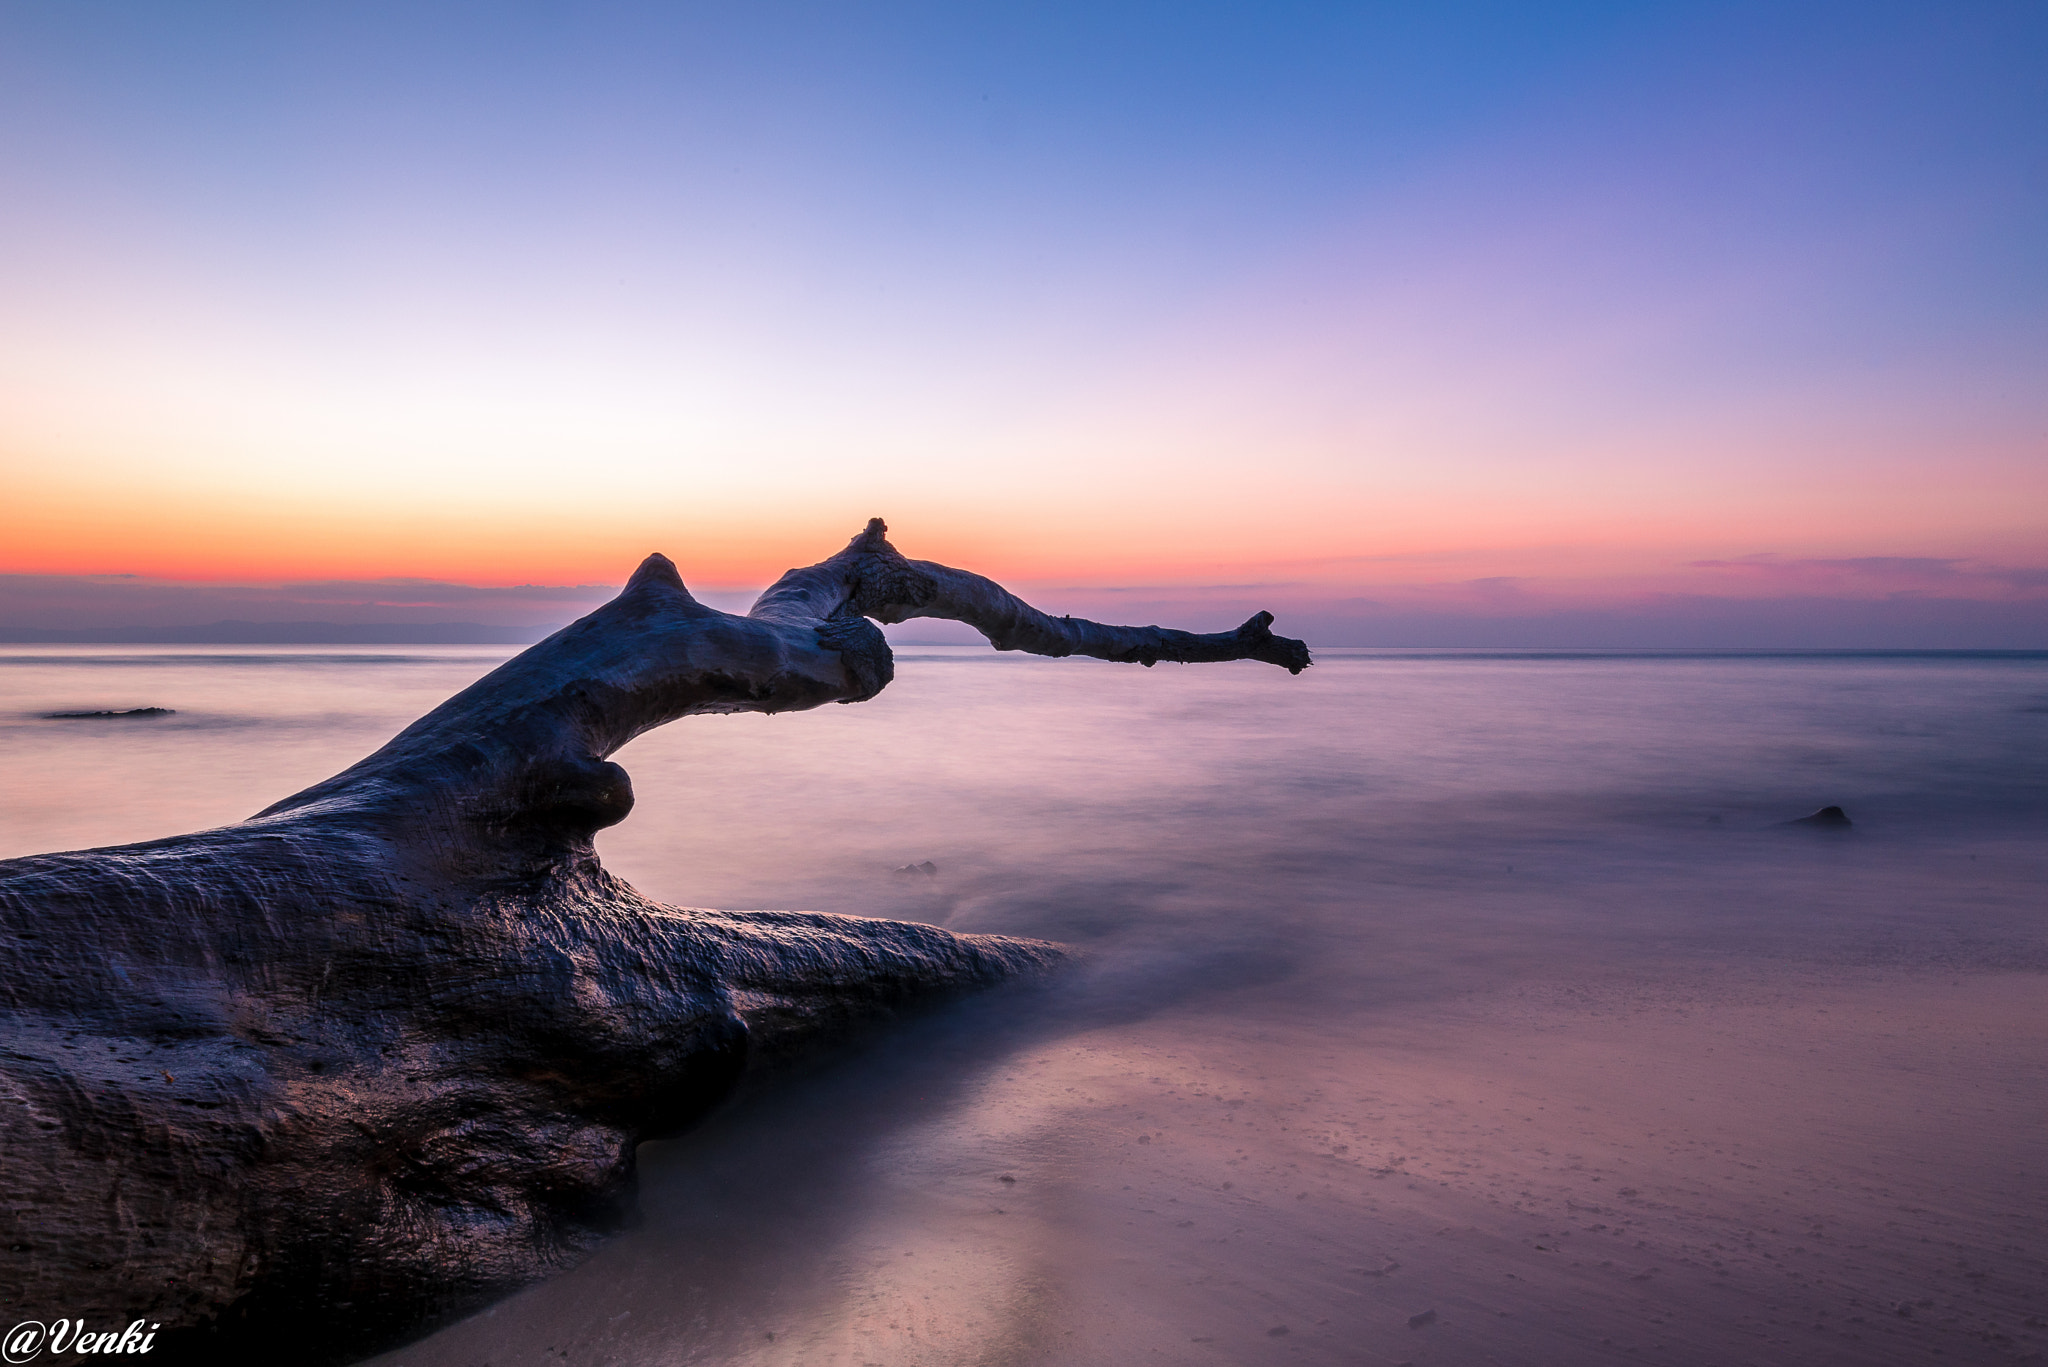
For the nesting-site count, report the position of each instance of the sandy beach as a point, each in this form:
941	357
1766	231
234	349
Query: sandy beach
1810	1166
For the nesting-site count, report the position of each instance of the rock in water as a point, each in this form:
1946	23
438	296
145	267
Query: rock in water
1827	818
295	1088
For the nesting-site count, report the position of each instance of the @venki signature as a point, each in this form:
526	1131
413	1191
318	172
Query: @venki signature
25	1341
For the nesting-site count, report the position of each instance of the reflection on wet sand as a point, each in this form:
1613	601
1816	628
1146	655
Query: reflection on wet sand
1557	1173
1519	1126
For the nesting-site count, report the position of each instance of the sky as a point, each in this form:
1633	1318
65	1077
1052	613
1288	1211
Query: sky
1677	323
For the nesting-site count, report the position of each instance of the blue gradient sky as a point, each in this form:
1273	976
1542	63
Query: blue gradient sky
1343	302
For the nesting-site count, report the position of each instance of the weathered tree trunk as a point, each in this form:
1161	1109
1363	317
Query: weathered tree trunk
385	1049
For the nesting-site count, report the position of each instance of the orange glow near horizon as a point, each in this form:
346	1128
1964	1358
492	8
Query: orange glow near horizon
738	553
1136	527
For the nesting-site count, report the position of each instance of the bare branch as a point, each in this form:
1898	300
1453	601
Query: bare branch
879	582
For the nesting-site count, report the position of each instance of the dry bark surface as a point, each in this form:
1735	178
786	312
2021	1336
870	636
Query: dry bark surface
306	1084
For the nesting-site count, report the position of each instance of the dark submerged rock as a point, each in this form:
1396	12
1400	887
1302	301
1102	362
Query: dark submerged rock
1827	818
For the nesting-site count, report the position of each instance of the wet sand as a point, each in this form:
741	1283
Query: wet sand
1796	1166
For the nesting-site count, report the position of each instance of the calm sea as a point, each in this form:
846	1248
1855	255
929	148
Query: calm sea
1314	908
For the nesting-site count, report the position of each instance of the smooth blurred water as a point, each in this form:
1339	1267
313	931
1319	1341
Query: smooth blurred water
1294	894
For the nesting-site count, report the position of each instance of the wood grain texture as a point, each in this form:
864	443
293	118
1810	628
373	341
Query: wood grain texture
306	1084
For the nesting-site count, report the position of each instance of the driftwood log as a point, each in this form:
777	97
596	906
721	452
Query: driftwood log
302	1085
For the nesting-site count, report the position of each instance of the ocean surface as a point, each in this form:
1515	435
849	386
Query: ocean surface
1436	1006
